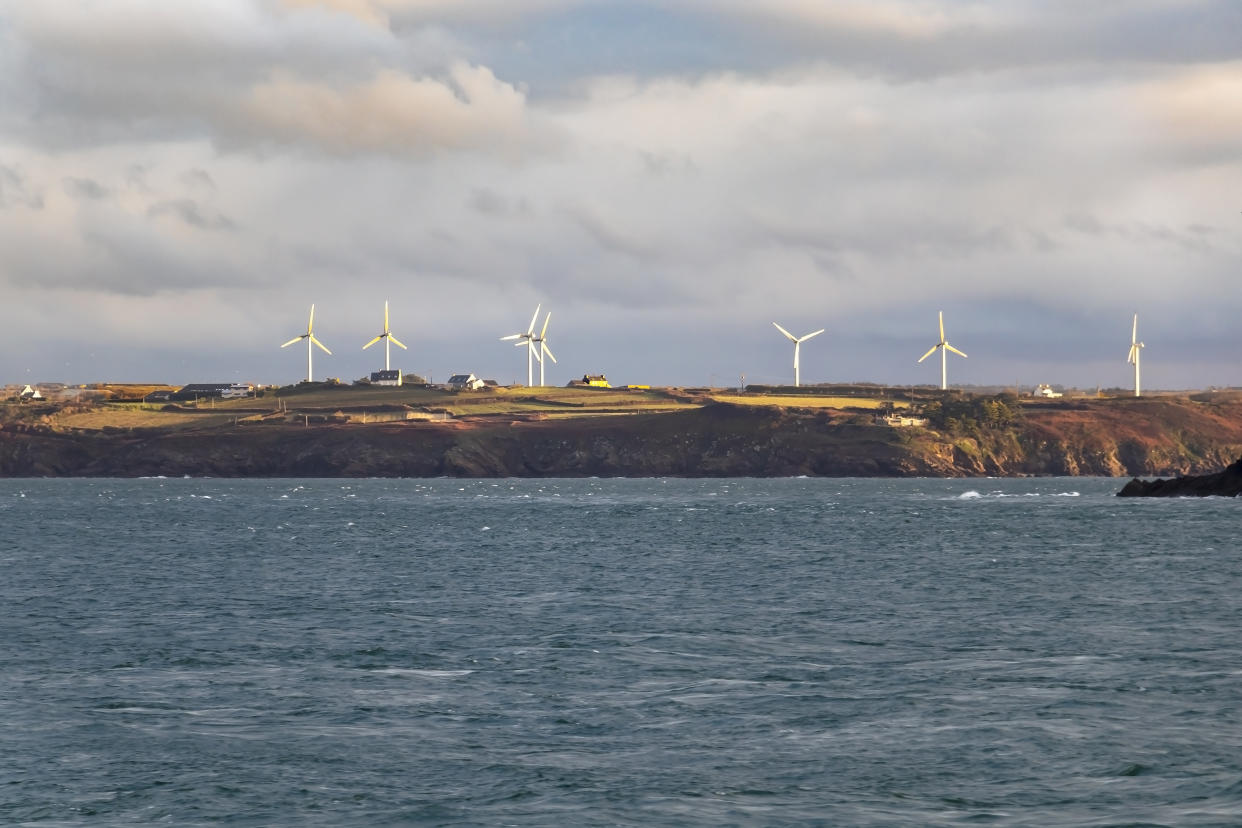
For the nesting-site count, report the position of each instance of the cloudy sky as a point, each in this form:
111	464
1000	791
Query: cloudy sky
179	181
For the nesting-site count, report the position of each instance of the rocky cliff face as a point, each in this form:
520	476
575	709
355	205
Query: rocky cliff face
1140	439
1226	483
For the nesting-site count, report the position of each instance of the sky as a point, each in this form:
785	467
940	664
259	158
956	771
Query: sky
179	182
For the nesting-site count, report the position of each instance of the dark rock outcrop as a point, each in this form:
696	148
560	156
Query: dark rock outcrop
1226	483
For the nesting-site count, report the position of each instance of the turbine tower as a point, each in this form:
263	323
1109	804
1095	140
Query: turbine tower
944	347
544	350
311	341
388	338
797	341
528	338
1133	359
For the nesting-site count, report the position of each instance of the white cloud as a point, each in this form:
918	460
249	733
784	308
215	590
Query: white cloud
389	113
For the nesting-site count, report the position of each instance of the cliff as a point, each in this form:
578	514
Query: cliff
1120	438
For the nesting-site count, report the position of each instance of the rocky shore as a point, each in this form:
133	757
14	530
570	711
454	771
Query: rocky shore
1226	483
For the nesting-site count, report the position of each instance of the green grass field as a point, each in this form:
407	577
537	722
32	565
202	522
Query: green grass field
548	402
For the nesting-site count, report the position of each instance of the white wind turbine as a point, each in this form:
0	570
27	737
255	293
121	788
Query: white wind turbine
944	347
388	338
311	341
544	350
1133	359
528	339
797	341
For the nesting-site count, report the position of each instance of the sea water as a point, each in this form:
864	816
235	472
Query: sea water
617	652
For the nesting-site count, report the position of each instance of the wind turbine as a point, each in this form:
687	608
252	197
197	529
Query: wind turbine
544	350
387	337
797	341
311	341
529	339
1133	359
944	347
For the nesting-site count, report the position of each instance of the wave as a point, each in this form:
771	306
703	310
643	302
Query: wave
975	495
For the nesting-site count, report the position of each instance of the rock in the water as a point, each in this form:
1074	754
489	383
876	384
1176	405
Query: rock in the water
1227	483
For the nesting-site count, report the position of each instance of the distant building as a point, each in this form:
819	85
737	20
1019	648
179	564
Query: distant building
465	382
900	421
224	390
392	377
159	396
29	393
1043	390
596	380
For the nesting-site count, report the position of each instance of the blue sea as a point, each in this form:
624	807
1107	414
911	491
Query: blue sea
617	652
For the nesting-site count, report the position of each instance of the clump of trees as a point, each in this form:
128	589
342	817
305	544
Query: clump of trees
968	415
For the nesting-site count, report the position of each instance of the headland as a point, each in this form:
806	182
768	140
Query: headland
349	431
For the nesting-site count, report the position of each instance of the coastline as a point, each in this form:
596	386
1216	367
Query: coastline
1151	438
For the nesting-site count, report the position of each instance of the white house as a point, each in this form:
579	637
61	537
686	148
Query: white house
465	382
30	393
392	377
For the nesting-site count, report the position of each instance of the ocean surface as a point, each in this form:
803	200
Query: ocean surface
617	652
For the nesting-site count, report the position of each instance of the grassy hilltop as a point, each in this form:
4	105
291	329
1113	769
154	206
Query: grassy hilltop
322	430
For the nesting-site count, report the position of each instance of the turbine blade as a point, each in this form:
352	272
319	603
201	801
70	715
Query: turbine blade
931	351
385	316
546	320
372	342
512	336
808	336
1133	353
942	326
531	328
954	350
548	351
322	347
1134	331
787	334
396	342
310	323
524	343
291	341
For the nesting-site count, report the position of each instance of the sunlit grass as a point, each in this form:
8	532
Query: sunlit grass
134	417
807	401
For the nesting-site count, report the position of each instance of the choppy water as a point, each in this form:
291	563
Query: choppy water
640	652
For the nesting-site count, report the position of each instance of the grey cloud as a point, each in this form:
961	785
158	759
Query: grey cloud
136	178
491	203
609	235
1194	237
252	80
198	179
192	213
85	188
13	191
664	164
